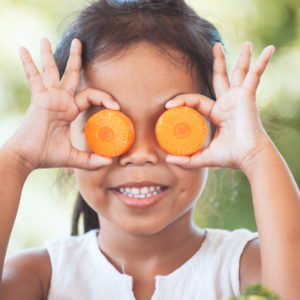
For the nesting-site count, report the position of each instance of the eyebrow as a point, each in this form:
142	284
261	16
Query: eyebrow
92	107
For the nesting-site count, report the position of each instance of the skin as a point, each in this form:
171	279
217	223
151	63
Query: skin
128	236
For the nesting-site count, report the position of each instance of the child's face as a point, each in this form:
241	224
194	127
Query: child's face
141	82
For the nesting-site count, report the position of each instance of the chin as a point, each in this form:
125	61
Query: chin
142	229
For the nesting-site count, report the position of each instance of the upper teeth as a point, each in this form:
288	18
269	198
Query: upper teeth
141	192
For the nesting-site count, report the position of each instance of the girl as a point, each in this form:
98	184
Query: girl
143	57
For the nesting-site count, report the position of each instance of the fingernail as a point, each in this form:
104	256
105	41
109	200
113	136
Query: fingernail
116	105
20	51
273	49
249	44
73	43
222	47
168	104
177	160
43	40
100	160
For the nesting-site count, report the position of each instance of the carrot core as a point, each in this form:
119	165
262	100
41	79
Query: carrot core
106	134
182	130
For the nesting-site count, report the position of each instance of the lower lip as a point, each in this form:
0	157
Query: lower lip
140	203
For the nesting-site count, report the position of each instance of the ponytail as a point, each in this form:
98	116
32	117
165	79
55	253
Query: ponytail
90	217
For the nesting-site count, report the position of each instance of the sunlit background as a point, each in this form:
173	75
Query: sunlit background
45	212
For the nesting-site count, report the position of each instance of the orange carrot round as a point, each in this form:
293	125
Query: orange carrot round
109	133
181	131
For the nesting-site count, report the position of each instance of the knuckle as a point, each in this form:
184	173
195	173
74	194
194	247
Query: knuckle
50	68
71	72
71	91
33	75
83	92
221	72
241	70
256	73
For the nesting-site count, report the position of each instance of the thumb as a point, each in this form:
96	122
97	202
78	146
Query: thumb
200	159
83	160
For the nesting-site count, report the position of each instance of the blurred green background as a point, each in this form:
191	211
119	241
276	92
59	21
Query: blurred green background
45	211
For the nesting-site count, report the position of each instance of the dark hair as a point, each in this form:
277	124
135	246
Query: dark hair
107	28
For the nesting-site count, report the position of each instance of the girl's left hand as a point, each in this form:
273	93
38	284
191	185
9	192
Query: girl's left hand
239	135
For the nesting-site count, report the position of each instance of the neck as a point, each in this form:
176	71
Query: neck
161	252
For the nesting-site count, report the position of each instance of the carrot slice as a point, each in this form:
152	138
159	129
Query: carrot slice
181	131
109	133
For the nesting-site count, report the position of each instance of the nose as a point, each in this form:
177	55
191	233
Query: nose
144	150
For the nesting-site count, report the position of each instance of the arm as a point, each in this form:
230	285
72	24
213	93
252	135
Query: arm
26	275
241	143
276	202
13	174
47	144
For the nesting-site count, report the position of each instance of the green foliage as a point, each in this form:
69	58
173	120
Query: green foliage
256	292
226	201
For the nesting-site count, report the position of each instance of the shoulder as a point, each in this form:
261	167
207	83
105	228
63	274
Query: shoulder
250	264
61	247
238	257
230	242
243	247
26	275
83	248
71	241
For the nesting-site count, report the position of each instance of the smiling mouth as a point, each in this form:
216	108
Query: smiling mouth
141	192
140	197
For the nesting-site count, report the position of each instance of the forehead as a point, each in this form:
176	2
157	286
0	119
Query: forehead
142	76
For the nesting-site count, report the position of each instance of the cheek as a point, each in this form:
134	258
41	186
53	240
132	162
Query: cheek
90	187
192	184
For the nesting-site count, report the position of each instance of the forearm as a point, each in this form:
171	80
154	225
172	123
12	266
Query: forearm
13	174
276	202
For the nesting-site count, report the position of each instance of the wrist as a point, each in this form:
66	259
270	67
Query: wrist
15	162
262	154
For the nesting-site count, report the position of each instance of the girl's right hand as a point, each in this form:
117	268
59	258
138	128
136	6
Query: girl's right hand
43	139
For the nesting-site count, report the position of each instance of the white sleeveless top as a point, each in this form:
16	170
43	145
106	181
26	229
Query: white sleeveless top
80	271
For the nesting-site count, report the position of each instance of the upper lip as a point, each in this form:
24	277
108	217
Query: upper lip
139	184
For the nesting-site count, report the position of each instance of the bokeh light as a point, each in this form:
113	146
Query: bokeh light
44	212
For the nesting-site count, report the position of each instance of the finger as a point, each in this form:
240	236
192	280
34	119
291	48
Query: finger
84	160
242	67
50	70
197	101
253	77
71	77
220	75
33	75
200	159
85	98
